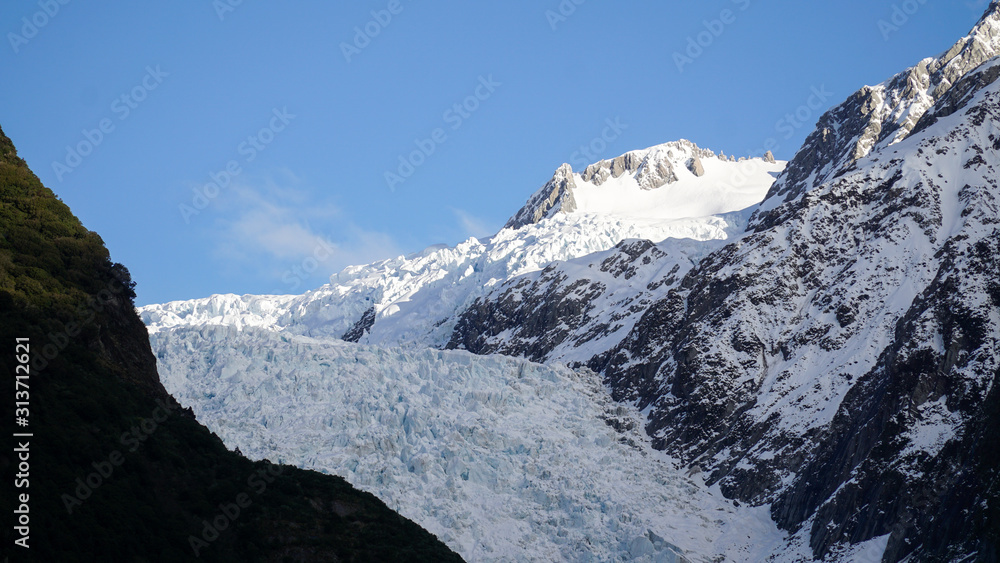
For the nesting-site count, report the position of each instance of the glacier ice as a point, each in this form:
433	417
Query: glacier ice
503	459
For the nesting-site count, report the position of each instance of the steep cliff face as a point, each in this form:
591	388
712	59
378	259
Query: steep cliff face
878	116
841	360
118	470
556	195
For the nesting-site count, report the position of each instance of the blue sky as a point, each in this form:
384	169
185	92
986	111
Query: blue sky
255	147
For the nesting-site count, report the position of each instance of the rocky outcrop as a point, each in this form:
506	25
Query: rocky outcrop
697	168
656	170
571	311
360	328
652	168
881	115
599	172
555	195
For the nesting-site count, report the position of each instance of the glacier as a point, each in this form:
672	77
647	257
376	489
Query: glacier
501	458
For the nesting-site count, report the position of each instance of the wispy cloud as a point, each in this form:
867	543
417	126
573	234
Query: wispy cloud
273	225
472	226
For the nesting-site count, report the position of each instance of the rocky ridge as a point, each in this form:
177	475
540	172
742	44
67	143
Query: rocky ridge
878	116
652	168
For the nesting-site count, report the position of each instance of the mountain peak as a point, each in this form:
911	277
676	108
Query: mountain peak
992	10
667	181
885	114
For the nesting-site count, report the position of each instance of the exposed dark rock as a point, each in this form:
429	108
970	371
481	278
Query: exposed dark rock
530	316
696	167
556	194
364	324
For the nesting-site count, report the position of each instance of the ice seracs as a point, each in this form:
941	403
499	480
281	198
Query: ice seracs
503	459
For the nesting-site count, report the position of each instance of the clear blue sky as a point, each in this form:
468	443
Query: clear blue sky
198	85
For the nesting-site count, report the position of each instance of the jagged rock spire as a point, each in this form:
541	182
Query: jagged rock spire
881	115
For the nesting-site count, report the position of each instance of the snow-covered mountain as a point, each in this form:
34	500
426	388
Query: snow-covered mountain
818	342
878	116
415	300
840	361
675	180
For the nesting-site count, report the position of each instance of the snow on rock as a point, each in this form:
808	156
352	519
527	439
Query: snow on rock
670	181
879	116
576	310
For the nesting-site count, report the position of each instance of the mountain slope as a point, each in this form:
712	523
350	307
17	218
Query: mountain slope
118	470
573	311
839	362
863	292
878	116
